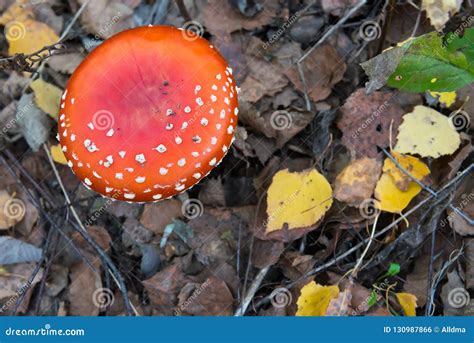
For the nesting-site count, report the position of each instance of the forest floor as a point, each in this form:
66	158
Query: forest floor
215	250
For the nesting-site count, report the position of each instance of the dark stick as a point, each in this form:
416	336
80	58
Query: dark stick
182	9
84	234
388	19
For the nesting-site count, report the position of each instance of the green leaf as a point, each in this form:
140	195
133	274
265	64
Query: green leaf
436	65
393	269
429	62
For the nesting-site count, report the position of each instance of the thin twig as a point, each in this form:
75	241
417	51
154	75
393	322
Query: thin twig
371	238
305	87
46	149
425	187
120	285
251	292
386	25
332	29
26	62
182	9
61	38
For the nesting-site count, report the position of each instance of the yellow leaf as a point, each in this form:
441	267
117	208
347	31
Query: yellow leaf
57	154
297	199
445	98
357	181
395	189
314	299
414	166
408	303
428	133
47	96
390	197
439	11
23	33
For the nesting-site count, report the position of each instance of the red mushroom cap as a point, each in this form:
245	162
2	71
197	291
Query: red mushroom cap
148	114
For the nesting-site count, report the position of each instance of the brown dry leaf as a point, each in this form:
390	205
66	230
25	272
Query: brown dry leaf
266	253
221	16
65	63
264	147
232	48
340	306
417	281
14	85
163	287
14	277
224	272
337	7
98	233
82	290
212	193
359	294
23	33
12	210
211	298
253	145
366	120
13	282
322	69
264	78
294	265
27	224
241	135
136	232
103	18
58	279
279	124
356	182
458	158
215	235
156	216
284	98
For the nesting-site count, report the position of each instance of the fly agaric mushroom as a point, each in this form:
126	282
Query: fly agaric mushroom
148	114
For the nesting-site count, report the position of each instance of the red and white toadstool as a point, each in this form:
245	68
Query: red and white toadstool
148	114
